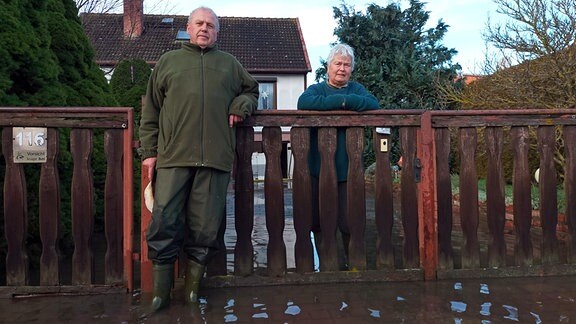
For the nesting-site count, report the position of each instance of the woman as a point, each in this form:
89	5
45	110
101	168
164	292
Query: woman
336	93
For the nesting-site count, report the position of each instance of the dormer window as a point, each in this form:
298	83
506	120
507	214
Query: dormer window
182	35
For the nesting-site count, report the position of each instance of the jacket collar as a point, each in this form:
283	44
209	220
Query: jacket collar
196	48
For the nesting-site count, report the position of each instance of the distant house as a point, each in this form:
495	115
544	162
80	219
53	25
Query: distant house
271	49
469	78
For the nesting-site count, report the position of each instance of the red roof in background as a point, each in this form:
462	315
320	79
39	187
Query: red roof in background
469	78
262	45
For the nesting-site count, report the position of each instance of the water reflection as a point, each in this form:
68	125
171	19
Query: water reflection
484	289
260	315
260	310
374	313
512	312
457	286
485	309
536	318
458	306
292	309
487	301
512	300
230	318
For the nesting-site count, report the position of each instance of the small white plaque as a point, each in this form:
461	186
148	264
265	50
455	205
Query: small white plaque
29	144
383	130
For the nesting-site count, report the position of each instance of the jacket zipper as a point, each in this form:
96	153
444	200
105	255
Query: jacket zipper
203	121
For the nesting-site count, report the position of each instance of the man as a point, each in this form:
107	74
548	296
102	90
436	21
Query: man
337	93
195	97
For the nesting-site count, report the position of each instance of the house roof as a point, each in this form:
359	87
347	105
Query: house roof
262	45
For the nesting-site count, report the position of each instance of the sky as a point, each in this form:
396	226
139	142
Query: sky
467	20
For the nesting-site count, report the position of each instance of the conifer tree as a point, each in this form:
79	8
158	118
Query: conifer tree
47	60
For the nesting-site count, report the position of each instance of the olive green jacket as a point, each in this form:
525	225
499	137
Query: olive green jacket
190	95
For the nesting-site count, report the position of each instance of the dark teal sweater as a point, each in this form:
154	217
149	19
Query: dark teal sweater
324	97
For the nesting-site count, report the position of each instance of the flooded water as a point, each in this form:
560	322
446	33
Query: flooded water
512	300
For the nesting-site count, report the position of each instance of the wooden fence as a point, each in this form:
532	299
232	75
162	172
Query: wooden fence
429	231
117	263
520	238
423	229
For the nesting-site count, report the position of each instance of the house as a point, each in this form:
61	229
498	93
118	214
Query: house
469	78
271	49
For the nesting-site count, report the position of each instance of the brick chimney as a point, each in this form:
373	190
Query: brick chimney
133	18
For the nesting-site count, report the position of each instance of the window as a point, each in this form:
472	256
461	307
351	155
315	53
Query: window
182	35
267	98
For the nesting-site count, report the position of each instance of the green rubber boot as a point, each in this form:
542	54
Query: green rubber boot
163	281
194	274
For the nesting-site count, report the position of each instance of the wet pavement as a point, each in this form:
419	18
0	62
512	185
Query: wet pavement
511	300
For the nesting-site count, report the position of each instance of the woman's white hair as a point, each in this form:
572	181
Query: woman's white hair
341	49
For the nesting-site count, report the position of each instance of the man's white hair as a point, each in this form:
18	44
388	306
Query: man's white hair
217	27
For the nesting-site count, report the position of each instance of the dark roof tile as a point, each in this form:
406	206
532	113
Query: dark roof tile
262	45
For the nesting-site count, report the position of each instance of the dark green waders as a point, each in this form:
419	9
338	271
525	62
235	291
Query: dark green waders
189	207
163	281
194	274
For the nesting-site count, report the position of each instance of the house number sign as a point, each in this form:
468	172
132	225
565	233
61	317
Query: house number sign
29	144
